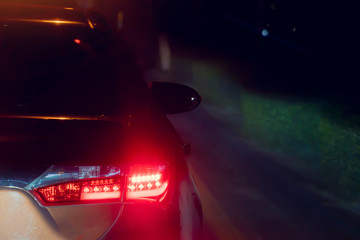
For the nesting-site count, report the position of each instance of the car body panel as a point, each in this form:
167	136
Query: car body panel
85	221
23	218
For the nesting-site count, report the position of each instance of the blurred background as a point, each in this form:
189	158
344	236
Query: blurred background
276	141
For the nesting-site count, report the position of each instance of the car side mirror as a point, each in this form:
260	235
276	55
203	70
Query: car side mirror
174	98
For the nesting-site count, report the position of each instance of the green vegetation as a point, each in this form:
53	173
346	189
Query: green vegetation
302	129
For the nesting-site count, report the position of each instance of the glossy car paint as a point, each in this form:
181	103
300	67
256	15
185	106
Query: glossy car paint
33	139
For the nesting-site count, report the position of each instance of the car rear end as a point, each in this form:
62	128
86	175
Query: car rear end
84	152
87	179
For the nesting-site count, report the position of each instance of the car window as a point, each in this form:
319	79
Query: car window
63	69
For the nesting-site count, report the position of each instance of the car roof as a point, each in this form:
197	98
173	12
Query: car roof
59	3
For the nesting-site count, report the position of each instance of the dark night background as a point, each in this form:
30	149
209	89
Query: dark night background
312	38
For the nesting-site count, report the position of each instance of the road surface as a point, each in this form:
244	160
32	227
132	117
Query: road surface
247	194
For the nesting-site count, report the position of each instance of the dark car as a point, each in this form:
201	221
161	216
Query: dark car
86	151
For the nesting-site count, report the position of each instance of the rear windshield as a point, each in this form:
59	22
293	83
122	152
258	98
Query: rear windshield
64	68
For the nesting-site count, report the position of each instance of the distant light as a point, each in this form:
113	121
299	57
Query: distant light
77	41
265	33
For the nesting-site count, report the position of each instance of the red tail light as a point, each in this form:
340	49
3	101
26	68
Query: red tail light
98	184
77	191
147	183
100	189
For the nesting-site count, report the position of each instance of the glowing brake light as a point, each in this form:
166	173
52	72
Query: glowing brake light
147	183
85	190
68	185
103	189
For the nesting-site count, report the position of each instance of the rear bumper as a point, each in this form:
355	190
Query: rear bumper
182	219
146	222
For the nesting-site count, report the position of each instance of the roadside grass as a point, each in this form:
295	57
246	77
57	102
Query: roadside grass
301	129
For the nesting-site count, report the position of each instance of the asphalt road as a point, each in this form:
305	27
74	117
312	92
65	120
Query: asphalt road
247	195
